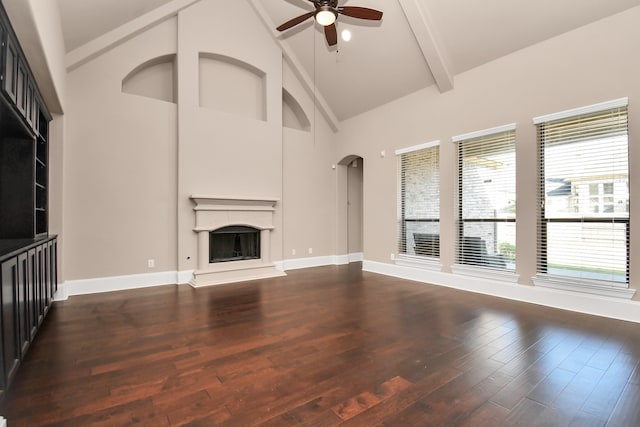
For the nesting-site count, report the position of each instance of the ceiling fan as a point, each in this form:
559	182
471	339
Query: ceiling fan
327	12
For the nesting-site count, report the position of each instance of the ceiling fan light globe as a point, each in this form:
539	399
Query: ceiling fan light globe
325	16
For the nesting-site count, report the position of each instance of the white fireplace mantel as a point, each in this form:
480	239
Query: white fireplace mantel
214	212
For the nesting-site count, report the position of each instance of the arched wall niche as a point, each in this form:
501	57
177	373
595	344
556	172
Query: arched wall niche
155	78
233	86
293	115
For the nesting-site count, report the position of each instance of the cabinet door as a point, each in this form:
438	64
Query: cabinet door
32	292
40	284
10	323
23	303
54	267
28	108
46	270
10	85
21	87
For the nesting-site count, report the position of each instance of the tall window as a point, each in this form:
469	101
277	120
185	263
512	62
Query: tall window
419	204
583	231
487	198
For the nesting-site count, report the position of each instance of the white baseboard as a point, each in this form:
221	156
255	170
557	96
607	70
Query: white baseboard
321	261
184	277
356	257
614	308
119	283
298	263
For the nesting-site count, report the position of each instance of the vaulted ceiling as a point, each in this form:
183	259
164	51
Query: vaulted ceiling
418	43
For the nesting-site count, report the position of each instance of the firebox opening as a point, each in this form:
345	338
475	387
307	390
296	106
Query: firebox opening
234	243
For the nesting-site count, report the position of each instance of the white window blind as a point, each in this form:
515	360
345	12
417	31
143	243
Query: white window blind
583	231
487	198
419	204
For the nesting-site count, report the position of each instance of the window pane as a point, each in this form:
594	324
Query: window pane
423	238
579	174
602	250
488	180
419	207
489	244
487	197
585	196
422	184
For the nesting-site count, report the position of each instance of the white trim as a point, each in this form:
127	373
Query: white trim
184	277
430	42
137	281
355	257
594	287
425	263
339	260
116	283
61	293
96	47
616	103
486	273
417	147
614	308
320	261
485	132
3	422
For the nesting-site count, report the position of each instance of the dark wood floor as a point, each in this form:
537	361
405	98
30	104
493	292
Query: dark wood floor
323	347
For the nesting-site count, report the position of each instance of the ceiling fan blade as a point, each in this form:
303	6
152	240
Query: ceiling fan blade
361	12
295	21
331	33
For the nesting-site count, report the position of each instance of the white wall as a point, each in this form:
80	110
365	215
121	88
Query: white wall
309	181
132	162
120	157
592	64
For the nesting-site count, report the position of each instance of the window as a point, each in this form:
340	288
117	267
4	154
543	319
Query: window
419	200
487	198
583	233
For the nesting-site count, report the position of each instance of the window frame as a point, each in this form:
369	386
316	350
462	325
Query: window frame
542	278
403	258
474	269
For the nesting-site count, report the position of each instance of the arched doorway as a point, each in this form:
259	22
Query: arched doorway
350	209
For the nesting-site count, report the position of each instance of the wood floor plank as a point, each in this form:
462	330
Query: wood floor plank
329	346
605	395
627	411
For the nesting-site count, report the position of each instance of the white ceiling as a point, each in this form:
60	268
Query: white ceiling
384	60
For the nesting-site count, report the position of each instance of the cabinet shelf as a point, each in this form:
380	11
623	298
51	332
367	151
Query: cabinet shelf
24	148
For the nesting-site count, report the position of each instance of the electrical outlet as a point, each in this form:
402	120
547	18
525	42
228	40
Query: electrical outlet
310	251
293	251
151	263
393	257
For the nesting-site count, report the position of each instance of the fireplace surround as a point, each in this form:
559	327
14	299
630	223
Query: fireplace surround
234	217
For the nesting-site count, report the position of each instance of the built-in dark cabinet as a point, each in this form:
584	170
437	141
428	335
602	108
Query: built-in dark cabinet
28	283
28	254
10	320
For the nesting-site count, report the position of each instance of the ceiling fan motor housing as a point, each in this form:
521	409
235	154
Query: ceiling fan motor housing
326	15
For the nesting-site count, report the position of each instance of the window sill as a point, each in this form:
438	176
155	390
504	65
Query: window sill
486	273
594	287
425	263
